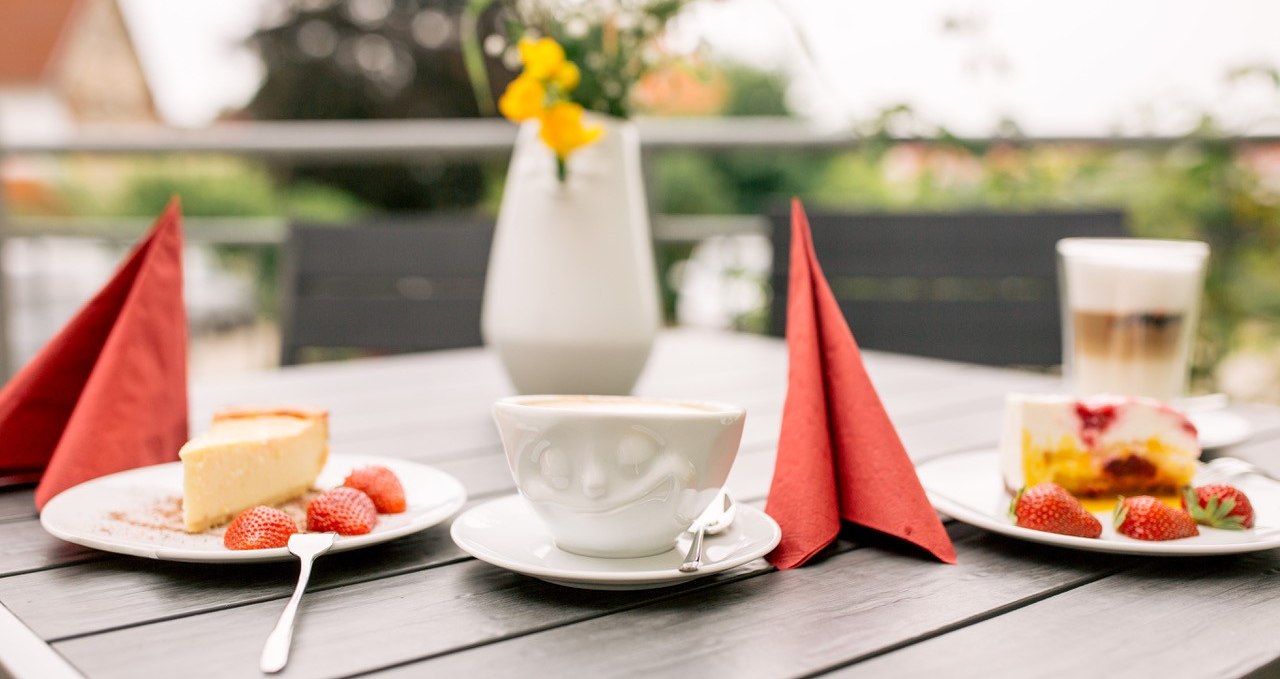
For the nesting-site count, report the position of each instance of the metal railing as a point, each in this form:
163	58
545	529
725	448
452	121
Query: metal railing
339	142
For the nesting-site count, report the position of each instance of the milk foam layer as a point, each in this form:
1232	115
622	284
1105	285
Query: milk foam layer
1133	275
622	405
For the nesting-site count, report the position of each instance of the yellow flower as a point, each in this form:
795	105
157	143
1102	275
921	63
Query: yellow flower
563	131
541	57
524	98
568	76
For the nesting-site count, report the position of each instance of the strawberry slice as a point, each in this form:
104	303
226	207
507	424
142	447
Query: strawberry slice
343	510
1147	518
1218	505
1049	507
381	485
260	527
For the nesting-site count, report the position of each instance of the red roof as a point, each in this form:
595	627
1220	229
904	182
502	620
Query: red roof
30	33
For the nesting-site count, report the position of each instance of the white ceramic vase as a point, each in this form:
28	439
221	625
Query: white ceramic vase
571	295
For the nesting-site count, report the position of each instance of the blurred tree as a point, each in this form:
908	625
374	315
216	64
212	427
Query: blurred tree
745	182
359	59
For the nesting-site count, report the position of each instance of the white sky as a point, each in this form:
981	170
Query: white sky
1084	67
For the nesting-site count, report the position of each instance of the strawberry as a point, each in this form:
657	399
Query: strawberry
261	527
1218	505
343	510
381	485
1050	508
1147	518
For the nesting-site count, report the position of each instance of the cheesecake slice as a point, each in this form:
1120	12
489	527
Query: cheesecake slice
250	457
1099	446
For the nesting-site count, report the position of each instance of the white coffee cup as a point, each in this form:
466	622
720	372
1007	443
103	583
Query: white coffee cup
618	476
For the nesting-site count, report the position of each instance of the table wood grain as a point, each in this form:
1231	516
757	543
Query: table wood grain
419	606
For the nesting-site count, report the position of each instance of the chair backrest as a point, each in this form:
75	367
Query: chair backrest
976	286
394	285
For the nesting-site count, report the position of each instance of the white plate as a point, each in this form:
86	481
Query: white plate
506	533
105	513
1220	428
968	488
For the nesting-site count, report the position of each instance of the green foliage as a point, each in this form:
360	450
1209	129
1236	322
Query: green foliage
356	61
753	92
226	188
1200	189
1203	188
743	182
669	257
690	183
321	203
206	189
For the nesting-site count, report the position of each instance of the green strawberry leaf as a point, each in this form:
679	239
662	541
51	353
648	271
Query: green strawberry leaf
1216	512
1121	513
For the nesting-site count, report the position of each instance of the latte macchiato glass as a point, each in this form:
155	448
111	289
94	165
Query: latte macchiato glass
618	476
1129	313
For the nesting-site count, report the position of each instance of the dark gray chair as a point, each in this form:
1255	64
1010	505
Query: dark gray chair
976	286
392	286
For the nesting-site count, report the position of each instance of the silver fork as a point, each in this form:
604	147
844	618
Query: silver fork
1224	468
306	546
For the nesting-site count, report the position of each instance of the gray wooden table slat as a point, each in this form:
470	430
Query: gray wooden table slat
1181	617
448	608
357	628
792	623
24	546
17	504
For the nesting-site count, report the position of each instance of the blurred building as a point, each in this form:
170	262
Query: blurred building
68	61
63	63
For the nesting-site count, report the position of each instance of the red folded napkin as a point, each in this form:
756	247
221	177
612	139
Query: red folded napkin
839	456
109	392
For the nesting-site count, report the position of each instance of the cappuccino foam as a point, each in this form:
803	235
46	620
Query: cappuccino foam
622	405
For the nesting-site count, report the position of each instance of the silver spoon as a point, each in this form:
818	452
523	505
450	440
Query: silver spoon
306	546
712	521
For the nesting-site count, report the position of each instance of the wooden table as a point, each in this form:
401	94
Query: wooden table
420	607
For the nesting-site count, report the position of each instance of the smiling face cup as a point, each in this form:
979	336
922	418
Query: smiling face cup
617	476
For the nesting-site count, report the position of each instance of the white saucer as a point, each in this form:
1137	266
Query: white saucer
1220	428
506	533
104	513
968	487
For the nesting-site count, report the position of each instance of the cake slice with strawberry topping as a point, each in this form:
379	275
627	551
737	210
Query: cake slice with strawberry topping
1097	447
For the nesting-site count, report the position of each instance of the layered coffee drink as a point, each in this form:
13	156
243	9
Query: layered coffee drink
1130	308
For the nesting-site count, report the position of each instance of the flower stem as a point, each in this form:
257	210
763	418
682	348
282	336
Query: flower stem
473	55
561	171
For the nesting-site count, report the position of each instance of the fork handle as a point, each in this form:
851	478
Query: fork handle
275	654
693	560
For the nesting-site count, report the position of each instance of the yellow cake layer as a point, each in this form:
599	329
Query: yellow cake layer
1162	468
250	457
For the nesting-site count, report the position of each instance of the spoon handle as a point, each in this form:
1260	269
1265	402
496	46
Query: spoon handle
276	652
693	560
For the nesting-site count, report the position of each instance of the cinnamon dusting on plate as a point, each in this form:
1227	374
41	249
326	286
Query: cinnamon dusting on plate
164	514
